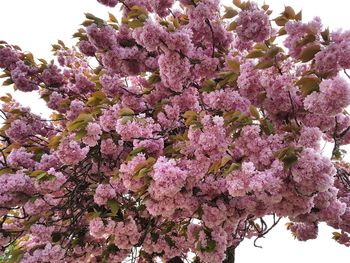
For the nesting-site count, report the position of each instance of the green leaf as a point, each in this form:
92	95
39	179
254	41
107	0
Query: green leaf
288	155
7	98
96	98
233	65
37	173
309	52
229	12
114	206
136	151
273	51
56	236
233	167
90	16
190	117
112	18
208	85
232	26
16	256
282	31
154	237
254	112
136	11
211	245
168	226
257	53
5	171
306	40
266	126
299	16
56	47
336	235
126	112
289	12
41	176
154	78
77	125
80	122
87	23
54	141
281	20
80	134
169	241
325	35
308	84
135	24
264	64
7	82
142	172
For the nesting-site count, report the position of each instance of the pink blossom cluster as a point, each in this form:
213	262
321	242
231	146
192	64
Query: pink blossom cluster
297	31
253	25
333	97
8	57
21	76
167	179
178	129
335	56
70	152
304	231
313	172
111	3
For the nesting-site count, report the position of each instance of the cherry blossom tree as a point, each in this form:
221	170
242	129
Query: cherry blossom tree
177	130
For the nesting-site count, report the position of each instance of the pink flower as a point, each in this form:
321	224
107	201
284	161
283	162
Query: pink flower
313	172
19	131
20	157
52	76
253	25
108	119
103	193
296	31
126	234
50	253
70	152
102	38
11	187
333	97
161	7
21	77
75	109
127	172
211	140
108	147
150	35
304	231
168	179
87	48
111	3
93	134
249	83
310	137
226	99
174	71
8	57
112	86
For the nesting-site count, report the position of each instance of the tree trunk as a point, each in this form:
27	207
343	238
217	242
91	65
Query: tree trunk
175	260
230	255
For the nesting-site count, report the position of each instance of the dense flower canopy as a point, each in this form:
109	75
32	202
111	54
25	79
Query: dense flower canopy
176	128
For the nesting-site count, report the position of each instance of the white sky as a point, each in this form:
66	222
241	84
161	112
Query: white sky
36	24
